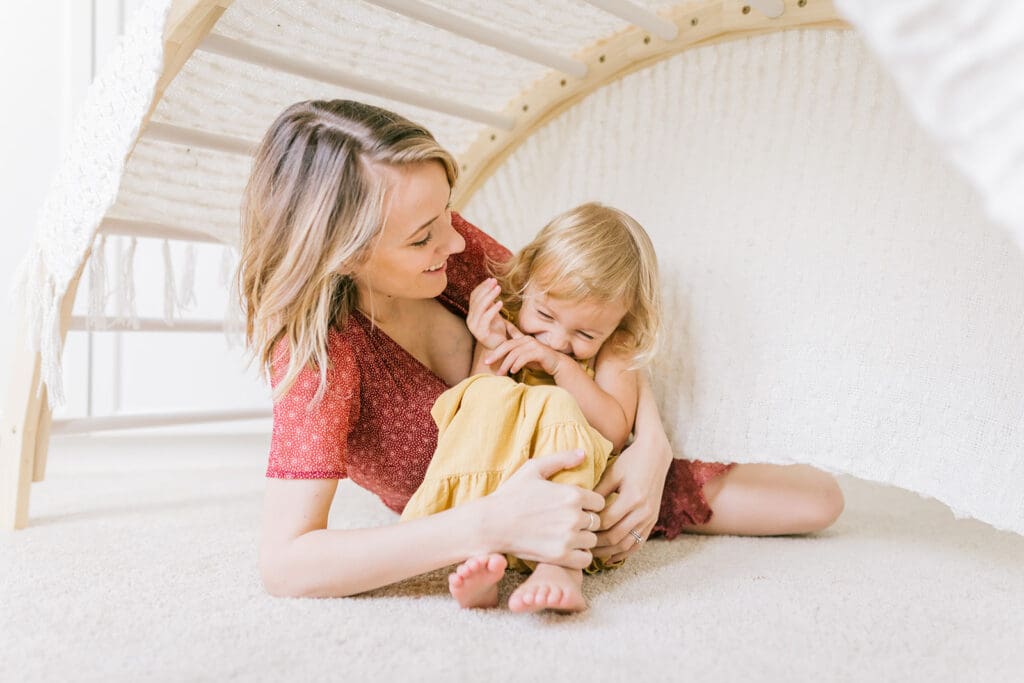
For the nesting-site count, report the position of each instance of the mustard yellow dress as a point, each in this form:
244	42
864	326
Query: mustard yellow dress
488	426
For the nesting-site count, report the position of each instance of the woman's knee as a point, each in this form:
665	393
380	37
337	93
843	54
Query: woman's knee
812	500
825	501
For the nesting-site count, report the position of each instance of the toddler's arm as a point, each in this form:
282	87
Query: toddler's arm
609	400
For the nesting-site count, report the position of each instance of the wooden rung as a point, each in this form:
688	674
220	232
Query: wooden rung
82	425
446	21
132	228
81	324
236	49
770	8
634	14
191	137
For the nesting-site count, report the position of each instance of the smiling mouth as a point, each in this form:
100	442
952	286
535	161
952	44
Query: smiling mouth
434	269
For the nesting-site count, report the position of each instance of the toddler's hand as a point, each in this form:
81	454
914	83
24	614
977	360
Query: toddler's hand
523	350
484	318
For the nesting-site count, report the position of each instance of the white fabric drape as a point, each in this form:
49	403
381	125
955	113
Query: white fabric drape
960	66
834	293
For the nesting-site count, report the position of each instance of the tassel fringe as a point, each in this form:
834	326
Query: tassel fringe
170	296
98	284
36	292
127	315
187	284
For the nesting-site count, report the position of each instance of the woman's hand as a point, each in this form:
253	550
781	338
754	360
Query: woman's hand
484	318
539	520
522	350
638	475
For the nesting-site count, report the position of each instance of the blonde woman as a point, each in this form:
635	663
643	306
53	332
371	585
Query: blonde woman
356	279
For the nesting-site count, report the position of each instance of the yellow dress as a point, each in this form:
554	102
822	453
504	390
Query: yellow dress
488	426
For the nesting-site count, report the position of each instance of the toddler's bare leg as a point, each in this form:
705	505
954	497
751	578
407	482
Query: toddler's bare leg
474	583
550	587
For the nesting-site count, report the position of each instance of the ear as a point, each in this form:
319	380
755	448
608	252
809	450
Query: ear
350	268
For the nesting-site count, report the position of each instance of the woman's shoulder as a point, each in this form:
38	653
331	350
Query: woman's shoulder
478	243
474	264
342	368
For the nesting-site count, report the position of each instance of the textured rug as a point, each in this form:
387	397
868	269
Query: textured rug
140	564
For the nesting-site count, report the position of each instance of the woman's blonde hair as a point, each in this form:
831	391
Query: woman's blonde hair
596	253
313	205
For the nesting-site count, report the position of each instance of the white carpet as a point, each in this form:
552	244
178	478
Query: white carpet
140	564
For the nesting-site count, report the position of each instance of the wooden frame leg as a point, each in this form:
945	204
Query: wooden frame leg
18	438
25	432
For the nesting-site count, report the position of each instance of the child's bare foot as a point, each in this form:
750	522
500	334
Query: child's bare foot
550	587
474	583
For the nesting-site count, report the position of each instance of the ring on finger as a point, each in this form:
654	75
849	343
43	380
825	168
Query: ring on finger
636	535
595	522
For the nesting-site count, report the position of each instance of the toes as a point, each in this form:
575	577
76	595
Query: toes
555	596
468	568
497	563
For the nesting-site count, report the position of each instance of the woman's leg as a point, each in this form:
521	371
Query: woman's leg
770	500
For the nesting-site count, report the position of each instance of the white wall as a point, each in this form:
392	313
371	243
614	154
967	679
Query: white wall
32	127
49	52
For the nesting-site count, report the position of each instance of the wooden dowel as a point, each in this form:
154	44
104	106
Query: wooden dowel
634	14
770	8
236	49
116	422
133	228
81	323
467	28
191	137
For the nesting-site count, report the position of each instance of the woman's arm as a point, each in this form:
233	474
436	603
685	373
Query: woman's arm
528	516
639	477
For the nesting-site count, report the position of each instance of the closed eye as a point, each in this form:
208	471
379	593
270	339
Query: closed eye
423	242
544	315
586	336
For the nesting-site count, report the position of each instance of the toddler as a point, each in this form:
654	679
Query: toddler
572	317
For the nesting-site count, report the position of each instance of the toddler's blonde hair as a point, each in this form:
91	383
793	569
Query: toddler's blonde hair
594	253
313	205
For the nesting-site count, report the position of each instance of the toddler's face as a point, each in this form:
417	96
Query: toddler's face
576	328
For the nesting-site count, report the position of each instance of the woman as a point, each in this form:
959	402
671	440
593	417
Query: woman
356	276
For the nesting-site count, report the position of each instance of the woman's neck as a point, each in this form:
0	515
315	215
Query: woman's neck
387	311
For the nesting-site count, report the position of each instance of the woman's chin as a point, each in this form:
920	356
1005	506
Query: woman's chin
433	285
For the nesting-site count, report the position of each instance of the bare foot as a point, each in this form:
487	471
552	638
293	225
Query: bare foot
474	583
550	587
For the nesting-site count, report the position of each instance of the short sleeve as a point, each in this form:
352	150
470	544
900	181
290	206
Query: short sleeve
474	264
310	440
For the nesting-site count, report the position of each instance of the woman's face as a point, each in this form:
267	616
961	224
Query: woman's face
409	260
576	328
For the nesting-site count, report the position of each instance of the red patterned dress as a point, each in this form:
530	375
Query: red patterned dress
373	424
